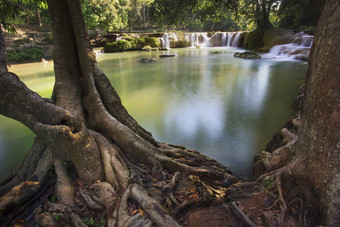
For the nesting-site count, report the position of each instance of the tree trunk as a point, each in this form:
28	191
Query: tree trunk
143	15
319	138
38	17
262	15
3	64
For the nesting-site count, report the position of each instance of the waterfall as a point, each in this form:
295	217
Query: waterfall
230	37
224	39
236	40
166	41
205	41
201	39
174	36
298	49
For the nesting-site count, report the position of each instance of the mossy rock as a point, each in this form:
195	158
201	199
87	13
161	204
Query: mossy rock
247	55
152	41
182	43
147	48
254	40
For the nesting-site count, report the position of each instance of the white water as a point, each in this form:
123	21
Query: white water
224	39
236	39
165	41
201	39
298	49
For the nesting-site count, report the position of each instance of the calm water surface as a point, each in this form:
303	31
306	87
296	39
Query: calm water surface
204	99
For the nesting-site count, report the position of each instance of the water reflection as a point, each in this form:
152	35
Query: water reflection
205	99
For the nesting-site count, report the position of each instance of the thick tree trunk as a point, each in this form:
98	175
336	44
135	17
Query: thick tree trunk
318	145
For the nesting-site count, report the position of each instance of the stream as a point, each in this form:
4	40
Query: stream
205	99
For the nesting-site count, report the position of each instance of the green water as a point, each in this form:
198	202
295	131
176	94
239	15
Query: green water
224	107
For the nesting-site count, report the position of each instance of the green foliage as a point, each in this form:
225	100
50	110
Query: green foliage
110	15
134	44
268	183
195	25
26	55
146	48
20	42
124	45
57	217
89	221
299	14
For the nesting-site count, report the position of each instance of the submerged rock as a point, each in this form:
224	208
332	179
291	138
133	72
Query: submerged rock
166	55
147	60
247	55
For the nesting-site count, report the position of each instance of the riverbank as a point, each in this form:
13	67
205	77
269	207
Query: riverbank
30	43
35	44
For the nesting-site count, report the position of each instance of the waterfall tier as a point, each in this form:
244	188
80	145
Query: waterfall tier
298	49
202	39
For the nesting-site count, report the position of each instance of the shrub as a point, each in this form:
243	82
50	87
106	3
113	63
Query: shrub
25	55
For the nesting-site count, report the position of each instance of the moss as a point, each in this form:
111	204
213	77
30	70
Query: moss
181	43
152	41
134	44
120	45
146	48
255	40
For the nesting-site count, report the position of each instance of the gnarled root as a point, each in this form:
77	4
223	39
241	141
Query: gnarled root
280	150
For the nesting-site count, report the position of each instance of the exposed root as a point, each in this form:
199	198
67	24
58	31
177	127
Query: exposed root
58	214
64	185
154	210
116	171
280	192
18	195
242	215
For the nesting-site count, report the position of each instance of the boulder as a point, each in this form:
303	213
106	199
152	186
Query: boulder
247	55
147	60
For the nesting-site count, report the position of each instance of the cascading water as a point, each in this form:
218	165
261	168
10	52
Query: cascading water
236	39
230	38
224	39
201	39
174	36
165	41
298	49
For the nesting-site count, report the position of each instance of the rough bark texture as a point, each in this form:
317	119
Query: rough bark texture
319	138
3	65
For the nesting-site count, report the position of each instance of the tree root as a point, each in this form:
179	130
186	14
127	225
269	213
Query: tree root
239	213
64	185
18	195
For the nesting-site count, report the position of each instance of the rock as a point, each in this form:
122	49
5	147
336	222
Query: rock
147	60
166	55
247	55
29	45
302	57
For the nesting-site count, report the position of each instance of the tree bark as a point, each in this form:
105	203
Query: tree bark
318	145
3	64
